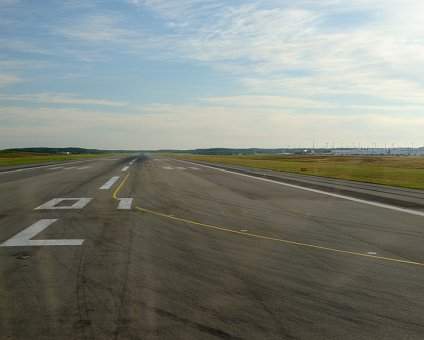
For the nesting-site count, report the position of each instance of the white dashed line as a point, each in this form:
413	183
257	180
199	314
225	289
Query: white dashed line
53	204
125	203
180	168
39	167
23	239
70	168
125	168
109	183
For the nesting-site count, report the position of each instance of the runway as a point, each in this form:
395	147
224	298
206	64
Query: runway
148	247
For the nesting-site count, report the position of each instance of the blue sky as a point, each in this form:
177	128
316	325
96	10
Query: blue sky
200	73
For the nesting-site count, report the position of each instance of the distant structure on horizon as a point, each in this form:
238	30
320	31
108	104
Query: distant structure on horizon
379	151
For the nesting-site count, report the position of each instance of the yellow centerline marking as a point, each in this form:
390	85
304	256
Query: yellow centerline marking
120	186
335	250
278	239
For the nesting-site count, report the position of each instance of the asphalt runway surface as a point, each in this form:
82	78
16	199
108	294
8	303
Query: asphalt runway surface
155	248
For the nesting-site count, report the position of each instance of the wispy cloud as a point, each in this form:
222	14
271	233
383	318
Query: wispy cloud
275	72
7	79
7	2
395	108
188	126
380	56
101	28
269	101
60	98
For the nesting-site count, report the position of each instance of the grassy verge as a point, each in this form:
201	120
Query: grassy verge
407	172
21	158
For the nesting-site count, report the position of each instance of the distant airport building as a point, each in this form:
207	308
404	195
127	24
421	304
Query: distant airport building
380	151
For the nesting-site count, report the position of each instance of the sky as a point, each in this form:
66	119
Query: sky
183	74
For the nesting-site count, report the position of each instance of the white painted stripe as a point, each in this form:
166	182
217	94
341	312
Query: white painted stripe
358	200
56	168
23	239
70	168
52	204
125	203
167	167
84	167
109	183
42	166
125	168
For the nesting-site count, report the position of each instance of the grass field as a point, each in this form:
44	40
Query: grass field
407	172
8	158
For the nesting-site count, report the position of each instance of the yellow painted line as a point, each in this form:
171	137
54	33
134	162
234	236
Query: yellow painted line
278	239
119	187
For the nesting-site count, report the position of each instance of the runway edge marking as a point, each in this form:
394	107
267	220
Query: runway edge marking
358	200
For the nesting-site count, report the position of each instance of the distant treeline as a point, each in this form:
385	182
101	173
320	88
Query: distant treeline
250	151
210	151
70	150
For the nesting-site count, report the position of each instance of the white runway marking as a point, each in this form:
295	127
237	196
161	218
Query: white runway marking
52	204
180	168
125	168
40	167
125	203
353	199
23	239
109	183
69	168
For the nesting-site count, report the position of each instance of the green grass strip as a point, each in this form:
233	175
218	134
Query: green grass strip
22	158
406	172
